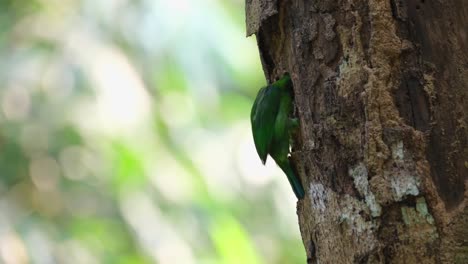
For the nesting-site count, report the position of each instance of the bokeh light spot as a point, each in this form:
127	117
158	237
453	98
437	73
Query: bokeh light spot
16	103
12	249
71	159
45	173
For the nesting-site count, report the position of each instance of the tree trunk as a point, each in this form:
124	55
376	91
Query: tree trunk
381	94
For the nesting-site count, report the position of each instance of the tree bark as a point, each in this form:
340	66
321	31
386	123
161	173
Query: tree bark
381	94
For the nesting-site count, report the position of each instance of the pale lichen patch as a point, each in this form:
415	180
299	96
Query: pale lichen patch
318	196
350	214
354	223
398	151
350	71
404	185
421	208
418	220
360	176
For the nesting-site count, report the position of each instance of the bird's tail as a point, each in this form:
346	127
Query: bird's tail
293	179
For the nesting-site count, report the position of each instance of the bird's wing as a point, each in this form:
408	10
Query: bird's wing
262	117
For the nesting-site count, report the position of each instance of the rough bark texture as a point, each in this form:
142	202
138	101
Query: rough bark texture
381	93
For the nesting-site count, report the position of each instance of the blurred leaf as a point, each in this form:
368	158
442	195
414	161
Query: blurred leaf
13	163
105	236
128	173
65	136
232	241
235	107
170	77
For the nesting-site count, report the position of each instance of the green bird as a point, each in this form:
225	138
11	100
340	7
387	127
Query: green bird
271	127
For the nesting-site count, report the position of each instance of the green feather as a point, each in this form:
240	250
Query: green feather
263	117
271	127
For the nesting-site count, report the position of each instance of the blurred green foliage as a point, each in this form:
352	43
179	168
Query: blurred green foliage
124	136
